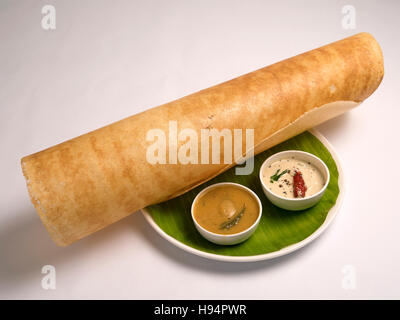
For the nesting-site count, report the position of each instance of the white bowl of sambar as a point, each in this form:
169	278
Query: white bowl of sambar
226	213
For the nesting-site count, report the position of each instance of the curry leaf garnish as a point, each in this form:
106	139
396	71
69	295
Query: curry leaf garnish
234	221
277	175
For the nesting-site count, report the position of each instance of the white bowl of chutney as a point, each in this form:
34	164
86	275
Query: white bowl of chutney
226	213
294	180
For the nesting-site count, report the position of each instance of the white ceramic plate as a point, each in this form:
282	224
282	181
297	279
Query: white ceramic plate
330	216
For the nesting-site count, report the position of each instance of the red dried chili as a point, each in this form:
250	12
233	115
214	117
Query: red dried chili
299	187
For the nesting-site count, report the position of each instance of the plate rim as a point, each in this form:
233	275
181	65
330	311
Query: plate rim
271	255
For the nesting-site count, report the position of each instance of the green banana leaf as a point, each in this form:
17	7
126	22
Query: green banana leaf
277	229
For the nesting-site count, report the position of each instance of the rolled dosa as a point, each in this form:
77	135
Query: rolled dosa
87	183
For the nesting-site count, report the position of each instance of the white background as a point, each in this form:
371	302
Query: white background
107	60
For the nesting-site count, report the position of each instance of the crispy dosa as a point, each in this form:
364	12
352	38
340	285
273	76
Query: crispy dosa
87	183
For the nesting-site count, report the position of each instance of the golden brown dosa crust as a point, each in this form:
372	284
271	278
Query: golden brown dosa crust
87	183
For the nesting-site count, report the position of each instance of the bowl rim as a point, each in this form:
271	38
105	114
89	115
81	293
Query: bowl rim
233	235
293	200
